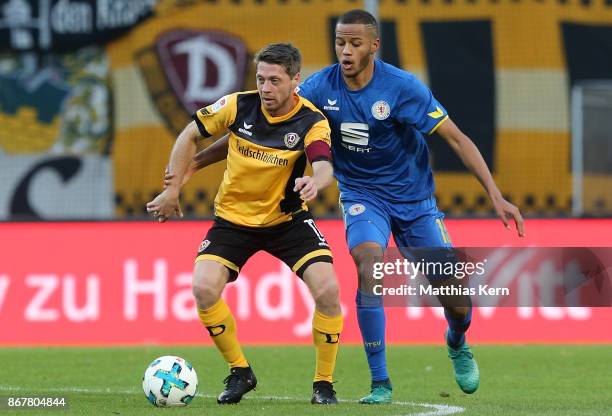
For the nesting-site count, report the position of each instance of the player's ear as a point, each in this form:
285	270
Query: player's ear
295	81
374	45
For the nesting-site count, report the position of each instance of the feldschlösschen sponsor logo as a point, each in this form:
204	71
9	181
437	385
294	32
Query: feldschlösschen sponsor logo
263	156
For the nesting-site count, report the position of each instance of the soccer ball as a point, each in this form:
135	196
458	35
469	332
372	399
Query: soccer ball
170	381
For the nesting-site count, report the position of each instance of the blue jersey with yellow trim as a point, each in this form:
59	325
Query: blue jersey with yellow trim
378	141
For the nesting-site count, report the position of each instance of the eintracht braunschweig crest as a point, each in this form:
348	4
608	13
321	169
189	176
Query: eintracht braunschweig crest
381	110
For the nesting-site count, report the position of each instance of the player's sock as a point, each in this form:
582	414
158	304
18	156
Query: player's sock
455	336
371	318
219	321
385	383
326	335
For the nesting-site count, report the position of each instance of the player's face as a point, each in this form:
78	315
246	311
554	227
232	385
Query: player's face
355	47
276	88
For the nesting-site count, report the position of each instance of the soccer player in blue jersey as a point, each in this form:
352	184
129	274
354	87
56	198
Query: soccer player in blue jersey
380	118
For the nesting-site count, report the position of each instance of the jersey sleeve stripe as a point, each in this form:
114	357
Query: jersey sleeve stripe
200	125
438	125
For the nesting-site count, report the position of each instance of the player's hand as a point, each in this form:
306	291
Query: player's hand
164	206
306	187
506	211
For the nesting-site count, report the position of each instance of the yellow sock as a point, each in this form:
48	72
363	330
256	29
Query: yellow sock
219	321
326	336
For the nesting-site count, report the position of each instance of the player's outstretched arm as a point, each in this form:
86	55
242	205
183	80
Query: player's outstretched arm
322	176
214	153
472	159
166	204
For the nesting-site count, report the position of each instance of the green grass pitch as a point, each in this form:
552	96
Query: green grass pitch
540	380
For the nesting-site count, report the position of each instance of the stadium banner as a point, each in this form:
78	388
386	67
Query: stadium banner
127	99
130	283
44	25
192	51
56	187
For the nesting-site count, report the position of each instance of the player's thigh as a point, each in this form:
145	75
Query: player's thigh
425	239
422	225
228	245
365	220
298	243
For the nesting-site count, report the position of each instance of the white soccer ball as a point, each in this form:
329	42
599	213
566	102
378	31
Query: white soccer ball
170	381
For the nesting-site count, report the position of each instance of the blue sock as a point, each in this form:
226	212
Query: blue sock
455	336
371	318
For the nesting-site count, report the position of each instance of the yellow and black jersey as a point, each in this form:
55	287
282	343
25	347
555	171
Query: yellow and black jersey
266	154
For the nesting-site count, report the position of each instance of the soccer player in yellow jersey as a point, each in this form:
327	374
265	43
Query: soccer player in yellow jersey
261	205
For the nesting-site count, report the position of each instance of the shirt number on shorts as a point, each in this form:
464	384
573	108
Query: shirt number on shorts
312	224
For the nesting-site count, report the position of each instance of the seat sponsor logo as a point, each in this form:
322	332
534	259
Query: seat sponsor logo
355	137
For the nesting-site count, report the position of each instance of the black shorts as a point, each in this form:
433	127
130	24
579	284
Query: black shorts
298	243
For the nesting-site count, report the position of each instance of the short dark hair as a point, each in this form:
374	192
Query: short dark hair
358	16
284	54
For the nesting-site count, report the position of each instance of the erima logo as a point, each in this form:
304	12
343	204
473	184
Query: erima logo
332	338
246	129
436	114
331	106
355	136
373	344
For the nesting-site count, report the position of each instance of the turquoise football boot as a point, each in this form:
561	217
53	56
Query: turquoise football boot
466	369
379	394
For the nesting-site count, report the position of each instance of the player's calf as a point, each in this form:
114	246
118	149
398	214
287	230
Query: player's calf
327	324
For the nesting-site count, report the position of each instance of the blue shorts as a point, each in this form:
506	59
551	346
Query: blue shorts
413	224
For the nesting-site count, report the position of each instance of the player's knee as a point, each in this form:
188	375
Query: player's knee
327	292
207	286
205	295
365	256
327	297
458	312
